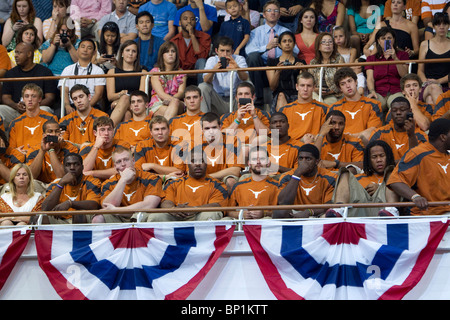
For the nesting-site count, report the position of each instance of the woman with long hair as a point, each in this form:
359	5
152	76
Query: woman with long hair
27	34
21	196
282	82
60	51
435	75
406	31
383	81
108	46
326	53
306	34
167	90
119	88
22	13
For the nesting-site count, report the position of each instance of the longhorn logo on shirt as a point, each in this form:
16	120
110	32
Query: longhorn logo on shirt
245	120
444	167
70	198
33	128
161	161
136	131
105	161
334	155
308	190
257	193
302	115
213	160
353	113
50	165
194	189
129	195
188	125
277	158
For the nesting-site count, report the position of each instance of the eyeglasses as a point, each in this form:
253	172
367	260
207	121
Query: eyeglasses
326	42
273	10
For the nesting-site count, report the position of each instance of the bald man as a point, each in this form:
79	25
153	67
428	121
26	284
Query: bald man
12	91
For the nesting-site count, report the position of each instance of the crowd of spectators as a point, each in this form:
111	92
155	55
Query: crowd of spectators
245	136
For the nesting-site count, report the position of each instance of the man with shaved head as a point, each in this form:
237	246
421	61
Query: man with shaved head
12	91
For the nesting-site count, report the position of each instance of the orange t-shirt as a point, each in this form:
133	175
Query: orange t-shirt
47	174
427	171
133	131
398	141
248	192
104	156
148	152
79	131
186	128
145	184
312	190
196	192
348	149
360	115
304	118
246	129
442	105
286	154
27	131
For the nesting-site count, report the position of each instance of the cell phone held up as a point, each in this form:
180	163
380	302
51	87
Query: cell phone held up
223	63
51	139
387	45
244	101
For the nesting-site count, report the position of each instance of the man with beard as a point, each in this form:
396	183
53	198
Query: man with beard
257	190
307	184
369	186
193	45
74	191
401	133
197	189
339	149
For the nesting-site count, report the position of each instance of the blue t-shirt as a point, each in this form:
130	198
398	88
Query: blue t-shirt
149	55
61	59
210	11
162	13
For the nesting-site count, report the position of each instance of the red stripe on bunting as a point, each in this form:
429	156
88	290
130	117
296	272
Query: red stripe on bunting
43	240
268	269
12	254
437	232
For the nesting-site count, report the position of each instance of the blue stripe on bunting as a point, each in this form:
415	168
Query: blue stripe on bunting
342	275
131	278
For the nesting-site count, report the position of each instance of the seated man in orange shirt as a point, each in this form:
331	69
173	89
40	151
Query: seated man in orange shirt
26	130
257	190
129	188
307	184
246	122
305	115
423	174
363	115
442	108
97	155
339	149
186	127
78	125
46	158
157	154
196	190
369	186
401	133
136	129
74	191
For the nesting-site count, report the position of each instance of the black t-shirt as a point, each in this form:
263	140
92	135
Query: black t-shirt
14	88
288	78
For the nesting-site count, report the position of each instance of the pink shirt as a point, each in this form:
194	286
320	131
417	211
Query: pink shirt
92	9
387	79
